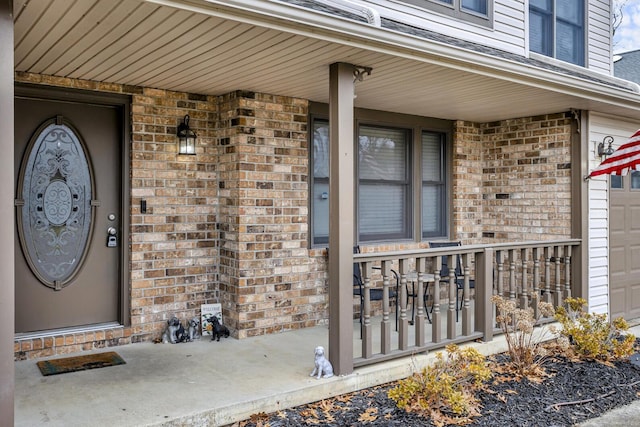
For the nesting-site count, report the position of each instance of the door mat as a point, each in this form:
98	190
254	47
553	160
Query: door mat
80	363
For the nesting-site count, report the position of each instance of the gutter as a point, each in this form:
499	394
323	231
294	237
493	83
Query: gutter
371	15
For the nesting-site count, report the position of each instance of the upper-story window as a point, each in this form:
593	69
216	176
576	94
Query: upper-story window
476	11
556	29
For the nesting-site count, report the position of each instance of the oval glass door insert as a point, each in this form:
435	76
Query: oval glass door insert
55	210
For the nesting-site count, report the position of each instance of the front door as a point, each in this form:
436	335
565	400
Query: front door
624	246
68	237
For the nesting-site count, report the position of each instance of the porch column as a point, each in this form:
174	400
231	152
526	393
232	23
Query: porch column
7	308
341	217
580	205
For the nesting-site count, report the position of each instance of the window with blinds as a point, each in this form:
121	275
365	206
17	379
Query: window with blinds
556	29
386	176
384	183
433	185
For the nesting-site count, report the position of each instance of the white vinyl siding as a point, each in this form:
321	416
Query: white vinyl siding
505	33
599	37
598	239
509	31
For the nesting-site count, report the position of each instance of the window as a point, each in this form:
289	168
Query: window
478	6
320	182
635	180
476	11
617	182
556	29
433	185
384	185
387	179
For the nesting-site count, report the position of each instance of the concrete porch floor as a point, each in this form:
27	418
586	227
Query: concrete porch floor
202	383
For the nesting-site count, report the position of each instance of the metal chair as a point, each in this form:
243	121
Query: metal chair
459	275
375	294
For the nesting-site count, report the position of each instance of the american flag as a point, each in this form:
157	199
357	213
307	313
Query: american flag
625	158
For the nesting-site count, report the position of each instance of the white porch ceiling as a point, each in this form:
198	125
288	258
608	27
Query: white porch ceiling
201	51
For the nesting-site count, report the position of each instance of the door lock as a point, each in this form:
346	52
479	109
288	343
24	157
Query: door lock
112	239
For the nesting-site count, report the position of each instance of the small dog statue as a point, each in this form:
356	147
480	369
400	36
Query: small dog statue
173	326
323	368
194	326
218	329
181	334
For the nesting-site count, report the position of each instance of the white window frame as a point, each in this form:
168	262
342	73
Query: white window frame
456	10
551	51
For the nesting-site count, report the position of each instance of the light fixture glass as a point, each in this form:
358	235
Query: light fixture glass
186	137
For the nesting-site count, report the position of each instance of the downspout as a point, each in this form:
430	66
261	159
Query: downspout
371	15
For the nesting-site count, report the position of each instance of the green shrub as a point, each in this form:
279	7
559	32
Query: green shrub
445	391
591	335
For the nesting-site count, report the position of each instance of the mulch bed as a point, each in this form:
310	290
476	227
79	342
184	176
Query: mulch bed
575	392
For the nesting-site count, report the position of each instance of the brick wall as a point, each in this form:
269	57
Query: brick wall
527	178
512	179
174	255
230	224
269	281
466	185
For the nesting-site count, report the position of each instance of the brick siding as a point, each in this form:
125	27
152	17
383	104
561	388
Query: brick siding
231	225
271	284
512	179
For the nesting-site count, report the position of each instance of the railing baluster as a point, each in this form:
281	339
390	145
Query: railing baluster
558	277
466	308
536	282
547	274
500	263
403	337
567	271
420	315
367	342
512	275
500	280
436	330
453	291
524	297
385	329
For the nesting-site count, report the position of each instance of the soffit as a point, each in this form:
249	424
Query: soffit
200	50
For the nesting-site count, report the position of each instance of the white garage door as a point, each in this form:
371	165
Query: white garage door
624	252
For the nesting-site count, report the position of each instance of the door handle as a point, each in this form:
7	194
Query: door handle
112	238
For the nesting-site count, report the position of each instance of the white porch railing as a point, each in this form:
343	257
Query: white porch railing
519	271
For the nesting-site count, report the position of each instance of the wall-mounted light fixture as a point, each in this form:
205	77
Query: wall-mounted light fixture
608	150
186	138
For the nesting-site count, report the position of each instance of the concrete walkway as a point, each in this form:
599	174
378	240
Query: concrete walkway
204	383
